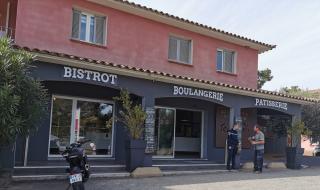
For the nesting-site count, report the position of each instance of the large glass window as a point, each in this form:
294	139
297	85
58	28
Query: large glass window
74	118
60	124
222	125
96	125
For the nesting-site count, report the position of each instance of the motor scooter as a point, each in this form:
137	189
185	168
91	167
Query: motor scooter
78	164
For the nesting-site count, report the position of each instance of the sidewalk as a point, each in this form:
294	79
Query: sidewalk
281	179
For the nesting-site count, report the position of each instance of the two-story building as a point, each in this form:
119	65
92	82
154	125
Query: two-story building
193	80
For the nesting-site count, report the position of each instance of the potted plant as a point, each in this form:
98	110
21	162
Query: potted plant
23	100
294	150
133	118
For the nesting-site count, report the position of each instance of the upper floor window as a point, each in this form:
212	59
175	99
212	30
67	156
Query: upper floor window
180	50
88	27
226	61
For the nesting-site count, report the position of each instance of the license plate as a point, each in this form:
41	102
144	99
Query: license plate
75	178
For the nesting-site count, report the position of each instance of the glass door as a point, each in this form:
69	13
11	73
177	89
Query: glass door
96	120
164	132
60	125
76	118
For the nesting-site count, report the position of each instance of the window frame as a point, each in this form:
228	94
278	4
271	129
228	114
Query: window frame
89	13
178	37
75	99
88	26
223	50
7	20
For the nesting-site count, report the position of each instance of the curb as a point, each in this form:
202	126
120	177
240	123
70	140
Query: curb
175	173
113	175
65	177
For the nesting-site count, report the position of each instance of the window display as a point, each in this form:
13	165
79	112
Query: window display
75	118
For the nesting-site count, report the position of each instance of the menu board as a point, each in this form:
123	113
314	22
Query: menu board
149	129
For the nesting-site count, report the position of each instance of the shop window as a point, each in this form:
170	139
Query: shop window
226	61
60	125
164	132
74	118
180	50
222	125
88	27
248	117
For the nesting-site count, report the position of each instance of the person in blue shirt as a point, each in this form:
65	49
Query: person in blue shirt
232	145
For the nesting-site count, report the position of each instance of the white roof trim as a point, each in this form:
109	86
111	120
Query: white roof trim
166	19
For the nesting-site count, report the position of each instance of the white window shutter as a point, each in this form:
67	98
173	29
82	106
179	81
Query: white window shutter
228	61
185	49
100	29
75	24
173	46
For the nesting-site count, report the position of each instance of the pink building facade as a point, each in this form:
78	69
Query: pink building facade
130	40
193	81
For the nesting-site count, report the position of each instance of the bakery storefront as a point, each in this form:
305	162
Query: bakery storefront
187	118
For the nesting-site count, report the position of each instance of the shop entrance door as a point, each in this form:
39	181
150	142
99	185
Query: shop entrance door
178	133
188	134
164	132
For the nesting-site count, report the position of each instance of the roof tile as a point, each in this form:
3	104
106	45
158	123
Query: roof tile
89	60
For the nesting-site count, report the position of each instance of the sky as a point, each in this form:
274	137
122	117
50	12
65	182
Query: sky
292	25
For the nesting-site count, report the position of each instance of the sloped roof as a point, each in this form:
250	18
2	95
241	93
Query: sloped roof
239	89
183	23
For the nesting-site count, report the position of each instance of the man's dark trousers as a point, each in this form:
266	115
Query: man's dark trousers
232	151
258	160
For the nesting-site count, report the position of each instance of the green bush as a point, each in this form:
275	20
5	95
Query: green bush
23	99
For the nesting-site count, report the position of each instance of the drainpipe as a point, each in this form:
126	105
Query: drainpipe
26	152
226	152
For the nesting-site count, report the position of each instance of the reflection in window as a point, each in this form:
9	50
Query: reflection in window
83	27
96	125
188	124
96	122
61	122
164	132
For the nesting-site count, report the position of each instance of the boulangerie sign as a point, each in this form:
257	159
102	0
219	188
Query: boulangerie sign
188	91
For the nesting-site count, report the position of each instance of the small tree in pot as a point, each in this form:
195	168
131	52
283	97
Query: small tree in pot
133	118
23	100
294	150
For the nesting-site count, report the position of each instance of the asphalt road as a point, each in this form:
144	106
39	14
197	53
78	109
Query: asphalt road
275	180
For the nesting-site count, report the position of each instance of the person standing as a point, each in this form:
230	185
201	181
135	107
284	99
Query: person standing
232	144
258	142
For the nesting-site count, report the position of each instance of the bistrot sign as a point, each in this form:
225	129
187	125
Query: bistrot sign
84	74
